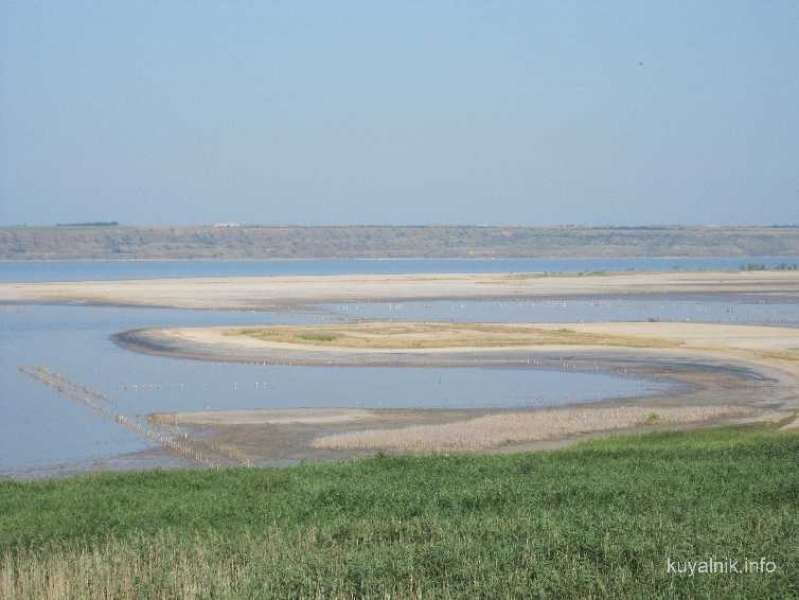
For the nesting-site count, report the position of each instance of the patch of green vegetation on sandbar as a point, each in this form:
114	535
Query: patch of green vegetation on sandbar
317	337
597	520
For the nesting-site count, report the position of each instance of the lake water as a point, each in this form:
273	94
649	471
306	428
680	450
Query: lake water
734	309
117	270
40	430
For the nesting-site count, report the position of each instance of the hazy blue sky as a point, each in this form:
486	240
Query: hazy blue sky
525	113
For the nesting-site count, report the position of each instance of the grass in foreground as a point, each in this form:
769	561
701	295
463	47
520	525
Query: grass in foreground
599	520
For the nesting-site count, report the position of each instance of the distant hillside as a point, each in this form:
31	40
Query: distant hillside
89	224
228	242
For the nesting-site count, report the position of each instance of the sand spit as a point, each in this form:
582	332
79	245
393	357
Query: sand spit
492	431
722	373
477	344
241	293
276	416
698	355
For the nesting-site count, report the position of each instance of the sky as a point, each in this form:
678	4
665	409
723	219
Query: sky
399	113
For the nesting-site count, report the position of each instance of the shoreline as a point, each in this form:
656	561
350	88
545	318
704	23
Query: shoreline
254	293
726	368
709	385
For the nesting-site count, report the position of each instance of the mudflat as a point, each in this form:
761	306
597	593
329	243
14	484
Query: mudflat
269	292
727	372
270	416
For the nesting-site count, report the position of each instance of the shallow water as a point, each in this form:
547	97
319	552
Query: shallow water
734	309
40	428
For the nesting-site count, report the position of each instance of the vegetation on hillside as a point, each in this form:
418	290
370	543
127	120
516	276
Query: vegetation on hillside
94	241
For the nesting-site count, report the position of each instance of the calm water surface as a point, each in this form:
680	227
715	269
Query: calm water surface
41	430
737	309
114	270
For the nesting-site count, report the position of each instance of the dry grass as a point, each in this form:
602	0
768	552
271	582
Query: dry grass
594	521
492	431
407	336
159	567
788	355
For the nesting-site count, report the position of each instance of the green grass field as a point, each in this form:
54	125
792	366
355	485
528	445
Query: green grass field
599	520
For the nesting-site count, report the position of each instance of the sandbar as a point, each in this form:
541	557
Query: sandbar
723	373
258	293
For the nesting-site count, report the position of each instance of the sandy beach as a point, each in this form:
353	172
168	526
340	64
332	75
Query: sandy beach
775	347
245	293
722	373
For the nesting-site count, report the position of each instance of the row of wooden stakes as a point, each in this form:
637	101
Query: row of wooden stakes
180	442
